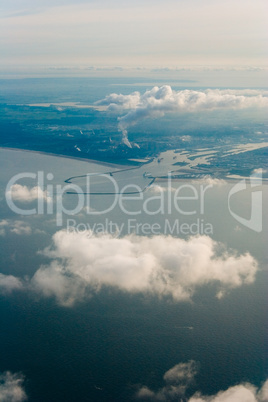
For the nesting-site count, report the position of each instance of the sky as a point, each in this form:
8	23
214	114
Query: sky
130	34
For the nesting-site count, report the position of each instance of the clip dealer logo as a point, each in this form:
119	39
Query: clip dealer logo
255	220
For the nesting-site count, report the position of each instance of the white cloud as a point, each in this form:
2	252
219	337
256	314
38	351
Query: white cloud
83	262
11	389
212	181
119	102
158	101
18	227
179	377
238	393
22	193
55	281
243	92
177	380
263	392
8	283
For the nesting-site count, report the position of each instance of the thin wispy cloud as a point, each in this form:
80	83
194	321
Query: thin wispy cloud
125	33
17	227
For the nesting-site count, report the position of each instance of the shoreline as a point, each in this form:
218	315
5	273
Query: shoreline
126	167
97	162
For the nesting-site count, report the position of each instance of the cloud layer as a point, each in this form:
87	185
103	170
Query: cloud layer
83	263
160	100
11	389
180	377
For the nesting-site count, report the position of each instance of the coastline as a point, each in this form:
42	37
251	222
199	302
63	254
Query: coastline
126	167
97	162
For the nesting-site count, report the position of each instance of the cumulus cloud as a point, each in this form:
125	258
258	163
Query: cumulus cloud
180	377
56	281
8	283
82	263
25	194
238	393
160	100
177	380
11	388
119	102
